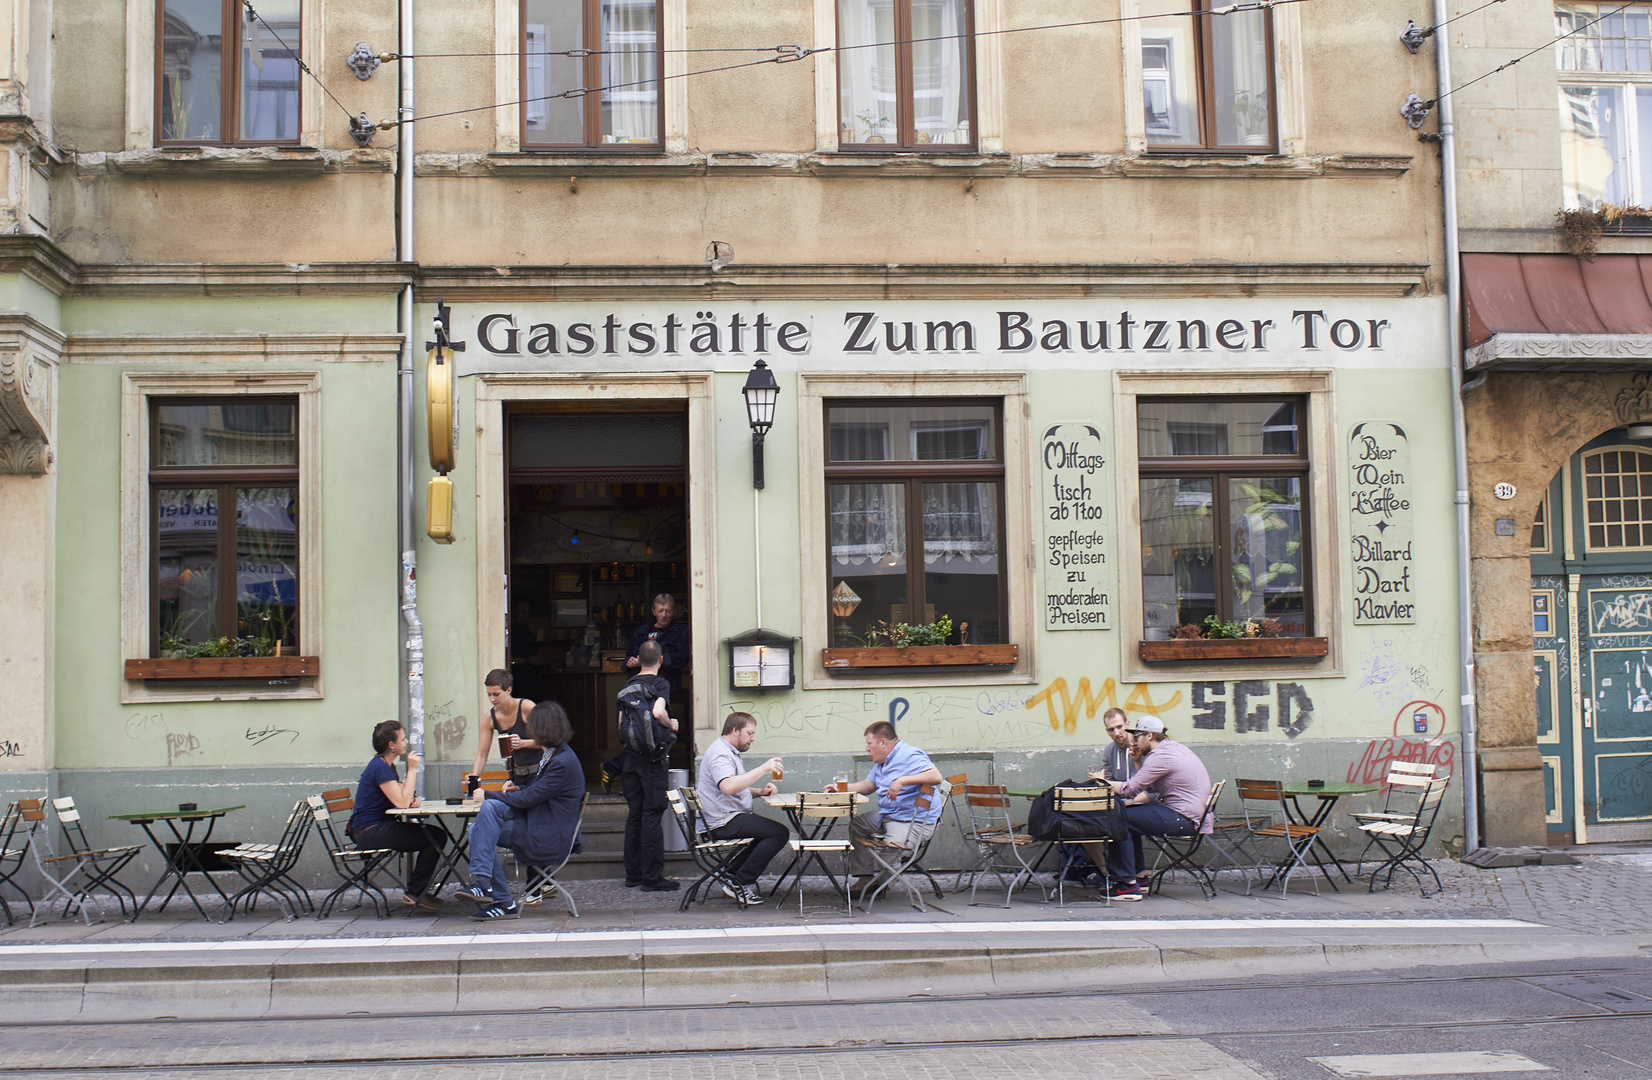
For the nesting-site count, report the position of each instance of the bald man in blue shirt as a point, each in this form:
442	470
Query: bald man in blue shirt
898	770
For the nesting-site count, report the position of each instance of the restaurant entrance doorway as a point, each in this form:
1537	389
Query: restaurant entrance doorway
597	532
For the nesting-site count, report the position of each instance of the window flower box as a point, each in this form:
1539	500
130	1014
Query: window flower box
225	667
915	656
1256	648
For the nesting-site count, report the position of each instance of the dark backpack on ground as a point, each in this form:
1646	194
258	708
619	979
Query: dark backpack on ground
1044	823
639	732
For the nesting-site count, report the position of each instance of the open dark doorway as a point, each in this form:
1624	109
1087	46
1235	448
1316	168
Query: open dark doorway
597	532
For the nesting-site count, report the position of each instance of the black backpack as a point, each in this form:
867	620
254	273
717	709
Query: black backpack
1045	823
639	732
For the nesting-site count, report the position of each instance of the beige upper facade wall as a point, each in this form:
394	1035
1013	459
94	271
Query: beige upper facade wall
746	162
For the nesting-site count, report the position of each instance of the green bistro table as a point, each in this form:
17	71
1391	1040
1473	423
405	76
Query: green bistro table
1328	794
187	858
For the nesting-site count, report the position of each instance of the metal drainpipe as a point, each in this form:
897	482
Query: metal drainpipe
413	654
1459	427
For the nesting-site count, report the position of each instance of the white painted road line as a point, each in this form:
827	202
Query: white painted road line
1453	1064
1136	928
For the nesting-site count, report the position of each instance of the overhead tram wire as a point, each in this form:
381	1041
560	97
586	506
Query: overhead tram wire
1557	39
302	66
789	53
1228	9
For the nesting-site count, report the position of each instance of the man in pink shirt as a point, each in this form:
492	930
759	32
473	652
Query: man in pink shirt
1176	775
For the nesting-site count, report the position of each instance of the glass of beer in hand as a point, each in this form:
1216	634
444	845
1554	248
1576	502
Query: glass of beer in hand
779	772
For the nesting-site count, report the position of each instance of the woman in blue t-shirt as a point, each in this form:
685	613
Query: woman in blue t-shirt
379	790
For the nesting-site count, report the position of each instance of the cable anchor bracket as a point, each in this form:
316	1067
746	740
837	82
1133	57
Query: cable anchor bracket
363	61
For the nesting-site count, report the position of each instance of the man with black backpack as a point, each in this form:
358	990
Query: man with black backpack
647	731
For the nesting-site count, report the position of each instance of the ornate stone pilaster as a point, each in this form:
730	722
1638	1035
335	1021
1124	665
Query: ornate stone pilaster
29	351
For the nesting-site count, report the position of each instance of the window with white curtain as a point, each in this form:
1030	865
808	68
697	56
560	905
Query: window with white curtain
1207	76
620	65
905	73
1605	62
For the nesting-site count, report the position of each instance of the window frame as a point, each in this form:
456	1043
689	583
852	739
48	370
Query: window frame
225	479
913	474
591	103
906	94
229	101
1022	621
1203	48
1324	532
1219	469
1638	189
138	388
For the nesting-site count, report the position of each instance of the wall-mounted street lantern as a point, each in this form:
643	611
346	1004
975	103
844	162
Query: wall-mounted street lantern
761	392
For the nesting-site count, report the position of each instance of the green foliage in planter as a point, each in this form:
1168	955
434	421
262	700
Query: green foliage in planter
903	635
215	648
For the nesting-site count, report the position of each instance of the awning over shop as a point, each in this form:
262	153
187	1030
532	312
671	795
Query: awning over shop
1557	312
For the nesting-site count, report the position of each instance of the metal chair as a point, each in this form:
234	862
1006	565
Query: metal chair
711	855
266	868
1405	785
899	860
541	881
355	866
1180	850
1267	817
17	828
1402	842
1082	800
1000	844
85	869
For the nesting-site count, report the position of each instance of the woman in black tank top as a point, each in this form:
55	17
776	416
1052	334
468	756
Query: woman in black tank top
506	716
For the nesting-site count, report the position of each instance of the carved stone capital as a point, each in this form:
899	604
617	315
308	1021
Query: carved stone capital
29	350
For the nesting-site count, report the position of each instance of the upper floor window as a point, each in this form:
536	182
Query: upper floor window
223	485
1605	63
1207	77
620	43
905	74
224	76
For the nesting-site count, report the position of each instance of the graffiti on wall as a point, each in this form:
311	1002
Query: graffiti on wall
1419	738
1253	705
9	748
1092	702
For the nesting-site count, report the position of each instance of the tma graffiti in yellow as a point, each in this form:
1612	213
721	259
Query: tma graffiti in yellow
1139	701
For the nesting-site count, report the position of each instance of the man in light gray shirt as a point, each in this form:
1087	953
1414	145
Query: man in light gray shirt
725	789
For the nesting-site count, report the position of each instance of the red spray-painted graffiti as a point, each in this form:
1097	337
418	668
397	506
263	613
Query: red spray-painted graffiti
1424	717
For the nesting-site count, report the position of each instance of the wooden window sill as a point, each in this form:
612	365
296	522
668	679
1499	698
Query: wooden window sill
226	667
1181	651
920	656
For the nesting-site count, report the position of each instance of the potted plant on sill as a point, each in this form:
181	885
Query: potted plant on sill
224	657
889	645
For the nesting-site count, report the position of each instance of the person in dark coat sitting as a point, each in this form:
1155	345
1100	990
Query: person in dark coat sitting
539	822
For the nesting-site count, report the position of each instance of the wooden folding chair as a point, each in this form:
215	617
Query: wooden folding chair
354	865
822	809
1402	841
711	855
1405	785
266	868
17	828
1267	817
1180	850
899	860
541	881
1002	847
85	869
1088	799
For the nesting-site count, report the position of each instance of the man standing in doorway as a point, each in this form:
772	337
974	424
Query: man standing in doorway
898	770
645	777
725	789
671	634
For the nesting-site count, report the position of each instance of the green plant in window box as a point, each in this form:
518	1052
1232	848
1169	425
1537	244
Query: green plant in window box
904	635
178	648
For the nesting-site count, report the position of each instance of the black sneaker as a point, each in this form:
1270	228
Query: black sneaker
632	883
749	895
496	911
475	894
664	884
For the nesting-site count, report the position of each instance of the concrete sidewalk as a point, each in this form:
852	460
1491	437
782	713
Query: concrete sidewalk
631	947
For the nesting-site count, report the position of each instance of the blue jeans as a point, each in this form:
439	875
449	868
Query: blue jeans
1124	861
494	827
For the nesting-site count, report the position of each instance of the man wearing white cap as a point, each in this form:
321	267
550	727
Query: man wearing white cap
1176	775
